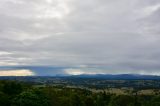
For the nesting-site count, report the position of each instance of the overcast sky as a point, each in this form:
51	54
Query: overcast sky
80	37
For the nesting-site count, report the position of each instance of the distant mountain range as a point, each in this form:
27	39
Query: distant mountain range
93	76
118	76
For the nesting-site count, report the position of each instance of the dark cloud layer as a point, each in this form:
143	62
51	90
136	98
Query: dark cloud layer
78	37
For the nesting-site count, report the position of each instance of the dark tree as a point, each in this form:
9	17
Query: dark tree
4	100
89	101
12	88
122	100
31	98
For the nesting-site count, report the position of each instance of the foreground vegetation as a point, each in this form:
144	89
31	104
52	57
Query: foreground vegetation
14	93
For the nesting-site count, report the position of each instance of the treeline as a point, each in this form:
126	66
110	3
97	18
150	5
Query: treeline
14	93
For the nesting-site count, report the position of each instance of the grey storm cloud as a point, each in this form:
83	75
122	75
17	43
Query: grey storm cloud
91	36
